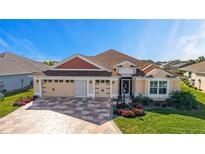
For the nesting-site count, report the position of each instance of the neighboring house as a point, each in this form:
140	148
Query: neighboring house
16	71
196	74
108	74
173	65
179	65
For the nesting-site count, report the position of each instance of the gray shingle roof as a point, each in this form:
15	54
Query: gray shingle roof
13	64
198	67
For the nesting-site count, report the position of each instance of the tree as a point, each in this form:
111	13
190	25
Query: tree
50	62
200	59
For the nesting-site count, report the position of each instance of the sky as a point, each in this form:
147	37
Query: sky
143	39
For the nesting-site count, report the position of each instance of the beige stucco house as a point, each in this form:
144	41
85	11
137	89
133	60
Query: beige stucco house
108	74
196	74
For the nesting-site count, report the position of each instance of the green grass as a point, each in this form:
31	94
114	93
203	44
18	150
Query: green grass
167	121
6	106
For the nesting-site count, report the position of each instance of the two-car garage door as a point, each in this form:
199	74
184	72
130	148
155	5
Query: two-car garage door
67	88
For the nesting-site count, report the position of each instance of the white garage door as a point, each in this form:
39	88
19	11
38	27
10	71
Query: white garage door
80	88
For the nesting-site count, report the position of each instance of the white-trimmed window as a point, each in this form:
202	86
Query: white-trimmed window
158	87
162	87
153	87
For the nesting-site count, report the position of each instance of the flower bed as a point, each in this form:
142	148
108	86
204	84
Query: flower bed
22	101
129	113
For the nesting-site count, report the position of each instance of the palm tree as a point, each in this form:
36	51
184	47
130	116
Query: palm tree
200	59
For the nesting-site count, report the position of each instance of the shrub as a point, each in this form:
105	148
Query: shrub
128	113
19	103
195	88
118	112
200	89
164	105
136	99
157	103
145	100
122	105
139	106
190	86
27	100
183	100
138	112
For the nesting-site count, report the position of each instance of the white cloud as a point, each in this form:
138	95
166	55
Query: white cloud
193	46
4	44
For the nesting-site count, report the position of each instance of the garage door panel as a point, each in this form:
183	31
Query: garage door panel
80	88
58	89
102	88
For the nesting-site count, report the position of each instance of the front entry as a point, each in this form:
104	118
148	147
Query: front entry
125	86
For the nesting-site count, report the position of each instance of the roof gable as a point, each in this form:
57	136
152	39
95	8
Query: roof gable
157	72
76	63
126	62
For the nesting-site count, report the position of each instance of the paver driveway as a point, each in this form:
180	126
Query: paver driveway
51	118
97	110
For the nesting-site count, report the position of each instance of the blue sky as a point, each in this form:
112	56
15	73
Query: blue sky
143	39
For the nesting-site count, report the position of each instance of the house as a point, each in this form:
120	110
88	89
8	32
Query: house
16	71
173	65
179	65
196	74
108	74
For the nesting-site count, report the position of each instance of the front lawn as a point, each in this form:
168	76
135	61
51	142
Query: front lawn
6	106
167	121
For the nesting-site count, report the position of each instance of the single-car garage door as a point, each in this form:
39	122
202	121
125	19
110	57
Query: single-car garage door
102	88
80	88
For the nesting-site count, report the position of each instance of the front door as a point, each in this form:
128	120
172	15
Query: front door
125	86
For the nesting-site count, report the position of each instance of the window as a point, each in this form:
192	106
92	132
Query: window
45	80
97	81
55	80
60	80
189	74
37	81
102	81
153	87
193	82
107	82
67	81
72	81
49	80
158	87
162	87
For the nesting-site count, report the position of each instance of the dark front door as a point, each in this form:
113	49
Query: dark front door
125	86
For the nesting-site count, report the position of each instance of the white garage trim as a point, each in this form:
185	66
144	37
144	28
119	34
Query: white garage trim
40	87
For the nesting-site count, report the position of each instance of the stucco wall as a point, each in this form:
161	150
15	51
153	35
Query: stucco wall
58	89
138	87
115	88
15	82
142	86
160	74
174	85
